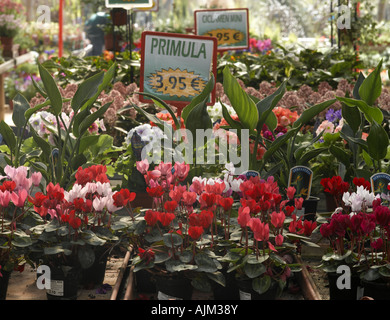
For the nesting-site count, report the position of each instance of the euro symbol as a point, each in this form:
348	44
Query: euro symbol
236	36
195	84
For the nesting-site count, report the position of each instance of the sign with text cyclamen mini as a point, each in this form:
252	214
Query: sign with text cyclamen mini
129	4
229	26
176	67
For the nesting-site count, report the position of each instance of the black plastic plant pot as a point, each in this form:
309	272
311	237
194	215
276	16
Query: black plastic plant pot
348	293
173	288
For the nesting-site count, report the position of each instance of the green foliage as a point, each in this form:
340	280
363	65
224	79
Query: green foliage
295	67
74	147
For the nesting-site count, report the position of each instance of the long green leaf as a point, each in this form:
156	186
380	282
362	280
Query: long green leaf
87	122
352	116
108	76
371	88
21	105
371	113
8	135
162	104
31	111
42	143
198	118
241	102
377	141
357	86
266	106
341	155
51	89
86	90
199	98
310	113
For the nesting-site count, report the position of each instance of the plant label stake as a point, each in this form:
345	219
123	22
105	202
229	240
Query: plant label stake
229	26
128	4
251	173
301	178
176	67
379	182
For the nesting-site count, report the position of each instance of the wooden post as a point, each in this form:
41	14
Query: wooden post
60	25
2	97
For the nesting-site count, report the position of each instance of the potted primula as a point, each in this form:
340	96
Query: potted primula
181	237
267	234
357	232
10	24
77	229
15	216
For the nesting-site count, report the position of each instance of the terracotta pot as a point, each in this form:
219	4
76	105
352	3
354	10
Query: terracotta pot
118	17
7	46
109	43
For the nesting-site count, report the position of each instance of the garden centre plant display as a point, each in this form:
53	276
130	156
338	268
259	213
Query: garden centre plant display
358	233
76	229
190	231
10	18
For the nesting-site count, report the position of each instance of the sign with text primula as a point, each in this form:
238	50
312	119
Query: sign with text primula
229	26
176	67
301	178
129	4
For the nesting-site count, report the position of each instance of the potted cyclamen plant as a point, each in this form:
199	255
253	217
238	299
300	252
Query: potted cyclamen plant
263	257
15	217
180	238
77	229
358	241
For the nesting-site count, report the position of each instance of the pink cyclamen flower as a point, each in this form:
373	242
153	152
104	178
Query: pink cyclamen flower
299	203
165	168
181	170
243	216
260	229
290	192
36	178
143	166
279	240
5	198
189	198
277	219
18	198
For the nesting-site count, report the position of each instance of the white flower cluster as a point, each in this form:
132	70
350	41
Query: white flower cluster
359	199
215	111
103	191
147	133
44	123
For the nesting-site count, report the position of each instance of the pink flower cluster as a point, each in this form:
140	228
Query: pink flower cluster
15	188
